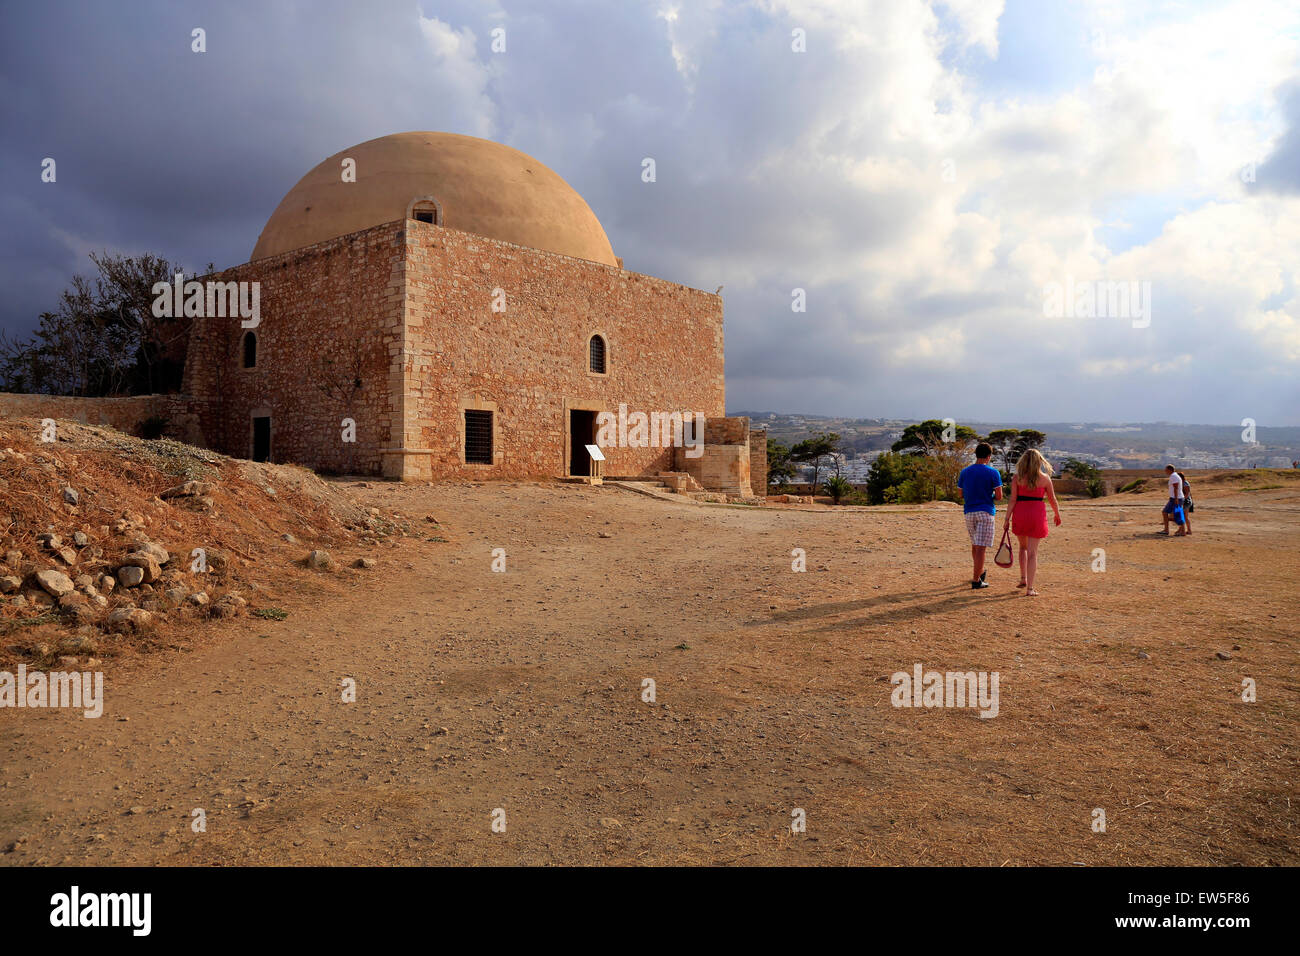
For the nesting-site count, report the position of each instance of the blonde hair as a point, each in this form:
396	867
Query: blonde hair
1032	466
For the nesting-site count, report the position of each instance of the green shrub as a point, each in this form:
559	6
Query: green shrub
837	487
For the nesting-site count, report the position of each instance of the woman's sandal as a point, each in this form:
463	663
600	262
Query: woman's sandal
1021	584
1031	593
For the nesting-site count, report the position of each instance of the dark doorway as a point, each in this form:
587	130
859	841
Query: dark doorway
582	432
262	439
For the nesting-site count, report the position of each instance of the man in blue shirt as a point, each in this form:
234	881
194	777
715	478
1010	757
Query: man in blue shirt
980	485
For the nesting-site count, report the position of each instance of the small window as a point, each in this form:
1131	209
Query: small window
425	210
597	354
250	350
478	437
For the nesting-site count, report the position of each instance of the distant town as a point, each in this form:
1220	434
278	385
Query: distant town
1106	445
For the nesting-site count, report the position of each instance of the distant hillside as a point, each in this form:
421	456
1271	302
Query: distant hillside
1108	444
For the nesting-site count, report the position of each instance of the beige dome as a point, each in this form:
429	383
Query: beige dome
481	187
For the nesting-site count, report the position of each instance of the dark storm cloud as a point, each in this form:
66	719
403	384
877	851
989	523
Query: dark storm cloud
774	171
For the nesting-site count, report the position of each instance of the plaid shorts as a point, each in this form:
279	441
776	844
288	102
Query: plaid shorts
979	525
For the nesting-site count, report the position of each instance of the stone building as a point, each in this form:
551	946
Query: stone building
440	306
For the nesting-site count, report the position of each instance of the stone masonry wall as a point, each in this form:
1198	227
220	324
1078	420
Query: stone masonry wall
758	460
183	415
529	363
331	315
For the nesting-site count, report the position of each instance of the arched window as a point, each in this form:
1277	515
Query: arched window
425	209
596	351
250	350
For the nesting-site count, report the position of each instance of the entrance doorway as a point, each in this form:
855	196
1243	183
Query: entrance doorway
262	439
582	432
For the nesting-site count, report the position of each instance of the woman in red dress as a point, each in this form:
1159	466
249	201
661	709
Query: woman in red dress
1031	488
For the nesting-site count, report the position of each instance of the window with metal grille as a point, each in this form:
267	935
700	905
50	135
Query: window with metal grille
598	354
478	437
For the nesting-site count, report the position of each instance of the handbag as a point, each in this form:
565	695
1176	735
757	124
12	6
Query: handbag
1004	557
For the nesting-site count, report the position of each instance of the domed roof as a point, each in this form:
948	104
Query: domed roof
482	187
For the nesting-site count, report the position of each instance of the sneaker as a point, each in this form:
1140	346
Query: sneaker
985	574
976	585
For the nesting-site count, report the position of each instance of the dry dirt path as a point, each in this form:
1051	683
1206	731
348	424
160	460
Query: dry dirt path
523	691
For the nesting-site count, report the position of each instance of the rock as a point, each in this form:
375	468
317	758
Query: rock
289	538
154	602
319	561
189	489
366	563
146	563
606	534
198	598
13	558
19	600
80	539
1223	655
177	595
1143	656
71	599
228	606
130	616
217	561
55	583
40	598
130	576
67	556
51	541
609	823
10	584
42	650
78	644
71	497
106	583
84	581
155	551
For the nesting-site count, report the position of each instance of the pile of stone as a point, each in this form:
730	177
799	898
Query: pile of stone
127	593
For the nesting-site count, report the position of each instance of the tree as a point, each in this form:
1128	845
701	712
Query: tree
1080	469
838	487
1002	441
103	339
939	467
927	434
780	469
814	449
1026	439
888	474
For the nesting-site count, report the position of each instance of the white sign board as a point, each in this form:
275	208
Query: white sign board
595	453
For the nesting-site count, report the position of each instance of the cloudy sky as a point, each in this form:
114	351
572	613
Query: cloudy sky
923	171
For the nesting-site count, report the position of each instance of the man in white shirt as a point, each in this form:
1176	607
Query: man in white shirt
1173	508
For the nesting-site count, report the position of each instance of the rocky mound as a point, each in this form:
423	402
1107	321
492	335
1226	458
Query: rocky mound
111	542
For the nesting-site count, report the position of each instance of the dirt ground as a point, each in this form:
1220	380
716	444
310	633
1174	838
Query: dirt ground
522	691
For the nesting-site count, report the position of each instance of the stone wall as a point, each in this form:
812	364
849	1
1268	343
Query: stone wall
183	415
331	316
529	363
758	460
